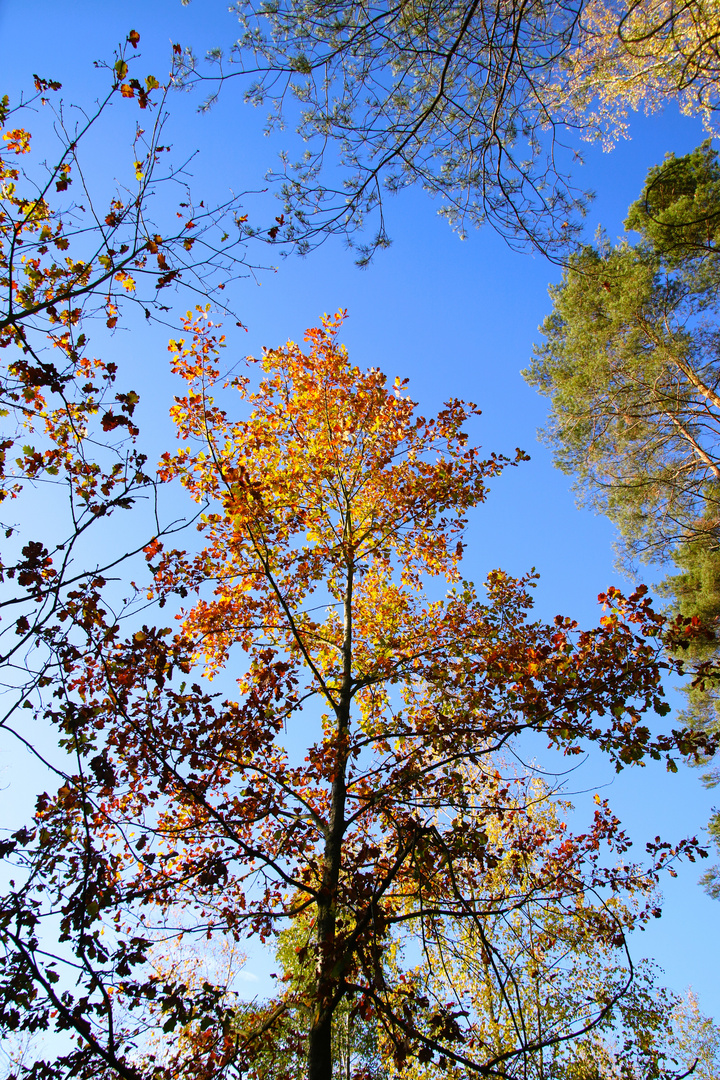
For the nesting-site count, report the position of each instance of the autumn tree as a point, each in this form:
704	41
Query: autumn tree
353	789
82	254
81	258
334	493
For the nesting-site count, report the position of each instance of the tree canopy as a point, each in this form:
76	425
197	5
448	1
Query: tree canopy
483	104
641	54
354	789
630	364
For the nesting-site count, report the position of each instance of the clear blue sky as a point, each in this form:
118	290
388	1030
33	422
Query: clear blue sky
457	318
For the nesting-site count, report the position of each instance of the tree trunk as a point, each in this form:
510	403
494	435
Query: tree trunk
320	1062
320	1058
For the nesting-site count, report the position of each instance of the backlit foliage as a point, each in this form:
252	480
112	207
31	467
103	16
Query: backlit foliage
641	55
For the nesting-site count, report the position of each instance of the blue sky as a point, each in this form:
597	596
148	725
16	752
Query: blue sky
457	318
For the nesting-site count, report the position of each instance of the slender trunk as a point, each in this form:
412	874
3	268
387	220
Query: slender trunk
704	457
706	391
688	371
694	379
347	1046
320	1059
